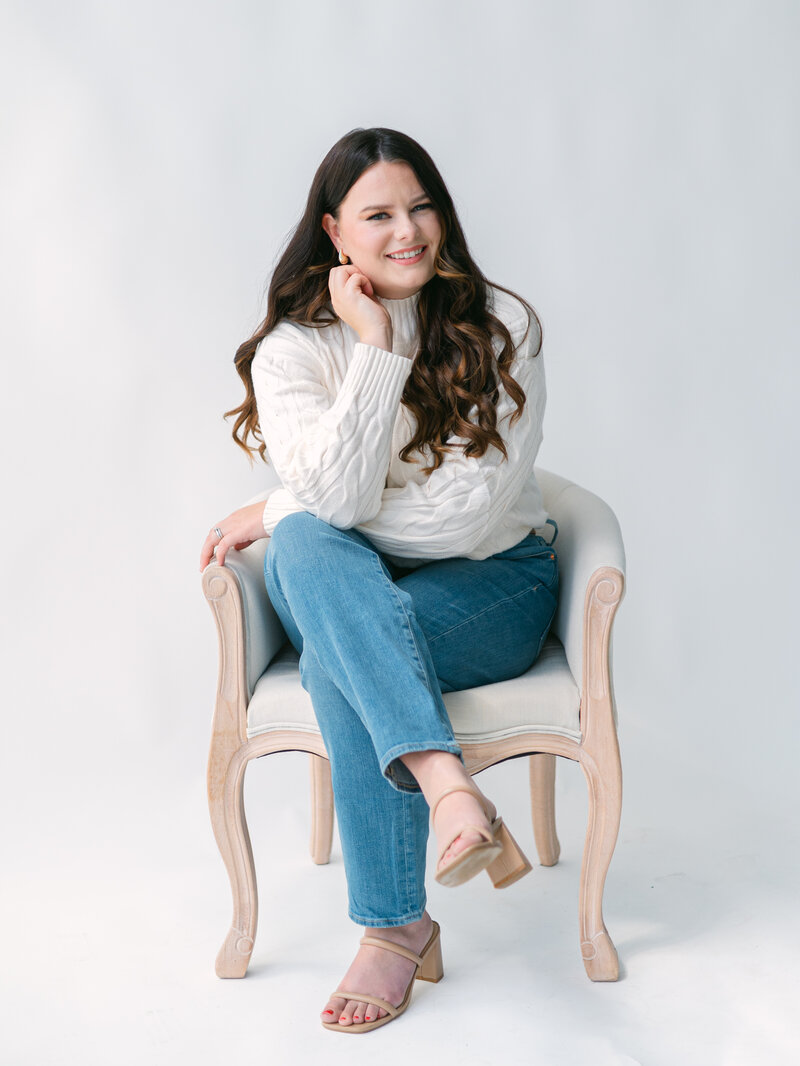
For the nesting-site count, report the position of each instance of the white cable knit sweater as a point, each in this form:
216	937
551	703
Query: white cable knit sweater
330	413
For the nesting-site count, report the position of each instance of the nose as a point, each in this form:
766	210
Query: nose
406	226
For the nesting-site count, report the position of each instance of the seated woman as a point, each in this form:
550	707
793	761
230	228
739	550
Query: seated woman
400	397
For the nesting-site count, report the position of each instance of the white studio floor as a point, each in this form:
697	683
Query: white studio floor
117	914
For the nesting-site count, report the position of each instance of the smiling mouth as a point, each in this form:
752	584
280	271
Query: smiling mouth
410	255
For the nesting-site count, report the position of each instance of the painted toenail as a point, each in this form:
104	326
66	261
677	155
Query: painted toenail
328	1012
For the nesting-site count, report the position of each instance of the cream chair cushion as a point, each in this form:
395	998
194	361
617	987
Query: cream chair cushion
545	699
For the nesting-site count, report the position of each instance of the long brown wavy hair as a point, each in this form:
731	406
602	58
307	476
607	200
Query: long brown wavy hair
456	371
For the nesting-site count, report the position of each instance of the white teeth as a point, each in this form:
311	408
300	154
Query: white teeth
407	255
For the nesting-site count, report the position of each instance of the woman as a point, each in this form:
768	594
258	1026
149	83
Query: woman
400	397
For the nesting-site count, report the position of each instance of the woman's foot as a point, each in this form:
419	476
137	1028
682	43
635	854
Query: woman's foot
380	973
455	811
436	771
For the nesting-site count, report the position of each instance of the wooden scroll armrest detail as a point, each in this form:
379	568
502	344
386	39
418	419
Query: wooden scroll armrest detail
604	593
224	597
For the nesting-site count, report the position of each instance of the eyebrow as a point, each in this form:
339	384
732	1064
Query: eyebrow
383	207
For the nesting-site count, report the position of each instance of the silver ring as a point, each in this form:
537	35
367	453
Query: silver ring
218	531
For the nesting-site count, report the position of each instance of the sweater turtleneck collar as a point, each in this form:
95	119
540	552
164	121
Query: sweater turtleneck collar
403	314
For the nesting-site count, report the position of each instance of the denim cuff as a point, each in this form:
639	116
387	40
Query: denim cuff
388	923
398	774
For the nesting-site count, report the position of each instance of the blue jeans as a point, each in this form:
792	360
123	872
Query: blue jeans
378	645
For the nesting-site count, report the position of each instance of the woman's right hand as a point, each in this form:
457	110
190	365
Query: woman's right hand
354	301
238	530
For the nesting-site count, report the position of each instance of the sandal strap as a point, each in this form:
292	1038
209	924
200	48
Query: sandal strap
472	790
375	1001
487	836
389	945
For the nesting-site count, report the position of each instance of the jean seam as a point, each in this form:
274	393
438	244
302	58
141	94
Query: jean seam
410	629
407	856
491	607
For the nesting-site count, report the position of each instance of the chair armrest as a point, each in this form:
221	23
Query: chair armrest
591	559
250	631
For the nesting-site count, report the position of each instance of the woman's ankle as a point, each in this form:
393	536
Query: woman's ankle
411	931
435	771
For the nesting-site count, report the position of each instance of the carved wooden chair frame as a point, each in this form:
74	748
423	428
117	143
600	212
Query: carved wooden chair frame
233	595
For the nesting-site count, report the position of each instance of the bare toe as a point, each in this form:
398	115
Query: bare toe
372	1013
333	1008
462	841
351	1009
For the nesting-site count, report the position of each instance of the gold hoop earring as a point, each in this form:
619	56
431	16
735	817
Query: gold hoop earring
343	258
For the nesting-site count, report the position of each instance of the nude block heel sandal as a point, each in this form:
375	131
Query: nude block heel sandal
428	968
498	853
511	864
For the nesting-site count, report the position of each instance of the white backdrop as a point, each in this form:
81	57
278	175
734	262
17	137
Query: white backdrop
631	168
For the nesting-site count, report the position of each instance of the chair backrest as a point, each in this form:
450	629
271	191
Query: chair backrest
589	538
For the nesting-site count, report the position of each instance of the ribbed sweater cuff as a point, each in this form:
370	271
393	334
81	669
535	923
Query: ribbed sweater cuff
375	374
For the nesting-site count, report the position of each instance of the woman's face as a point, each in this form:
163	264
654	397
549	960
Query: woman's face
385	216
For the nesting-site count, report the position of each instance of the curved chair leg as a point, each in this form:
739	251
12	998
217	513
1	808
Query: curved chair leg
321	810
605	806
226	803
543	807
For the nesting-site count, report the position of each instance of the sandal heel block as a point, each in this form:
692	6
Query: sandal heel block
511	864
432	967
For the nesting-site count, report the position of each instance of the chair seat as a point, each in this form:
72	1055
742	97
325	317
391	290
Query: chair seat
545	699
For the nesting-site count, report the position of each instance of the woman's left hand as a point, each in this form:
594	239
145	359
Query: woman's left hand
239	529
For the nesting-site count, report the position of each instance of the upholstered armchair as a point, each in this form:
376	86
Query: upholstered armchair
563	706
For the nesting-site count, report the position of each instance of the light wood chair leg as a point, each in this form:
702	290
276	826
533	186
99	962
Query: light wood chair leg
543	807
226	803
321	810
605	806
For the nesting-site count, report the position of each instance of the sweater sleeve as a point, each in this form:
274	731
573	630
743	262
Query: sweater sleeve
330	447
464	499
